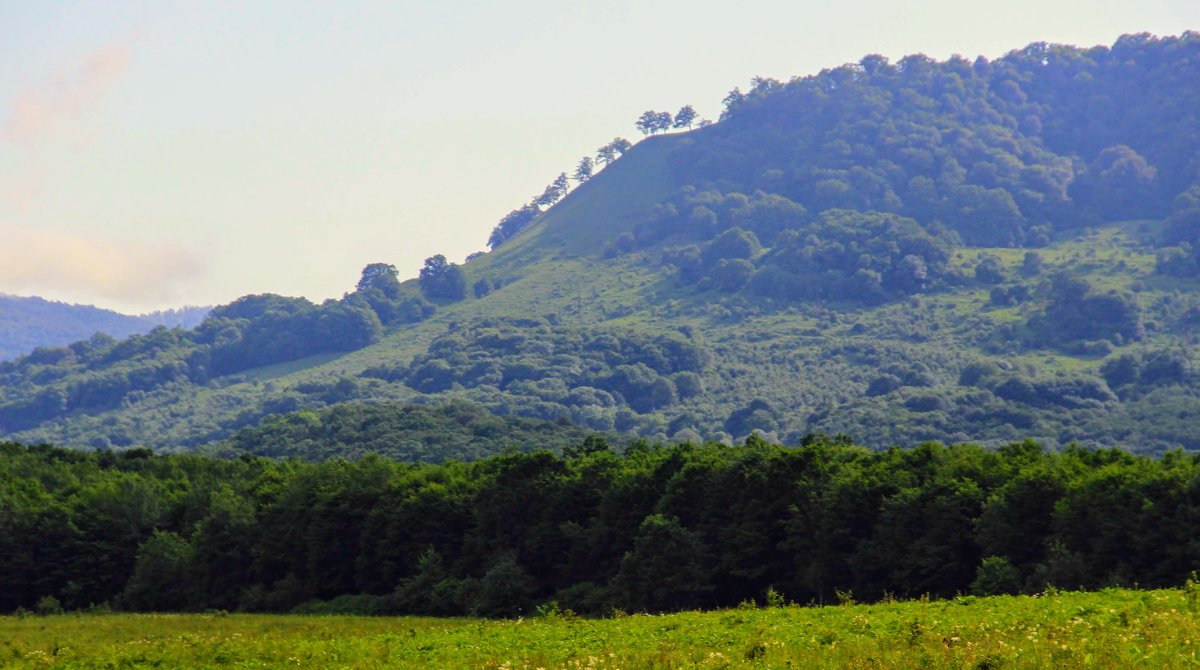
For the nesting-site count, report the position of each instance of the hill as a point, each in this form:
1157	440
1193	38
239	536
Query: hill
959	250
27	323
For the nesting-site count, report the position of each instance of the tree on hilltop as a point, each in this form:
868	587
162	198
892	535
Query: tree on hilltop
554	192
647	123
583	171
652	122
685	117
732	101
382	276
611	151
606	154
663	121
512	223
442	279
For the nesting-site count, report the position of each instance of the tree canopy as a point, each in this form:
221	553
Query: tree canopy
442	279
653	528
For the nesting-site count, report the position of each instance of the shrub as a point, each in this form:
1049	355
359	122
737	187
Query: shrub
996	576
48	605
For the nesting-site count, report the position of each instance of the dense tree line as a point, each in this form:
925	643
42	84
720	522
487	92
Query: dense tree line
654	528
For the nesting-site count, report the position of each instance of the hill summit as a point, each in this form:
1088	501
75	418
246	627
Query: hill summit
921	250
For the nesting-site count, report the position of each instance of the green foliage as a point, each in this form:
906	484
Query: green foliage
685	117
381	276
258	330
1191	592
652	122
48	605
733	244
416	433
360	604
611	151
533	368
996	576
1075	630
556	191
441	279
428	590
29	323
505	590
655	528
583	170
869	191
103	374
1119	184
512	223
161	574
666	569
867	135
1075	312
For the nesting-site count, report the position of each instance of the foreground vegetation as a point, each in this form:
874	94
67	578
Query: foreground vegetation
1111	629
653	528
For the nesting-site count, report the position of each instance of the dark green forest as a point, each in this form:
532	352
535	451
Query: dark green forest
649	528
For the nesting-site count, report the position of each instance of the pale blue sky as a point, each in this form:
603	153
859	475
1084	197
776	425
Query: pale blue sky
157	154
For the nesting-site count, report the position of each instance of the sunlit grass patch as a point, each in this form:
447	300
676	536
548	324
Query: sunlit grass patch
1111	629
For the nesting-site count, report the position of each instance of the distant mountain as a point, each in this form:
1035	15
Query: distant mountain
30	322
921	250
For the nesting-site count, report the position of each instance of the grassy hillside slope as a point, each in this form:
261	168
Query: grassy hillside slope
812	364
923	250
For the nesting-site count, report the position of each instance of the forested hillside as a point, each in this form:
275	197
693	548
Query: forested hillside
413	433
921	250
655	528
29	323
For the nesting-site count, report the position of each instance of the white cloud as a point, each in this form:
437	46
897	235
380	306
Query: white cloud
94	267
53	112
55	107
48	124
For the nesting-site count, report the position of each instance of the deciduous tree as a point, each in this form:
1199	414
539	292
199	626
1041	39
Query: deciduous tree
442	279
685	117
583	171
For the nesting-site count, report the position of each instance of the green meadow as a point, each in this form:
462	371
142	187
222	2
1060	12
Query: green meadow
1108	629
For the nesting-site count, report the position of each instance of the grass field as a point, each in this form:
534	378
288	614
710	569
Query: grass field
1111	629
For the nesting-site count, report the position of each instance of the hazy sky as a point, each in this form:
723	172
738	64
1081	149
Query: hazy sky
157	154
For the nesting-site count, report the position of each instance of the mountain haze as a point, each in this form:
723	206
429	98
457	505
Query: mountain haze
30	322
960	250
